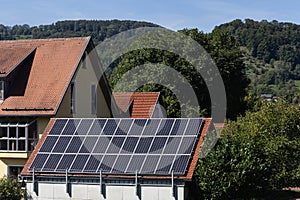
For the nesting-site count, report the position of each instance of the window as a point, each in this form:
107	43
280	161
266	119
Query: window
18	137
73	97
93	99
84	60
1	91
14	171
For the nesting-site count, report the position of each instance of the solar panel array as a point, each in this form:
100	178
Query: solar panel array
119	146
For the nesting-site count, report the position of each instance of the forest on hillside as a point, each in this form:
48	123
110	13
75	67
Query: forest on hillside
97	29
272	55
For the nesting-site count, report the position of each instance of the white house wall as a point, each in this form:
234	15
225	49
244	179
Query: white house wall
57	191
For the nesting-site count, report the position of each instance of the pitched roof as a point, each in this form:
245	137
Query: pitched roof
143	103
54	63
50	130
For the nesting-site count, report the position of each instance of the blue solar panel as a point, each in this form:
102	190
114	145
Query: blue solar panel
158	145
75	145
165	127
65	162
179	127
61	144
51	163
88	144
39	161
136	163
144	144
180	164
49	144
79	163
193	127
151	127
187	145
107	163
93	163
101	145
58	126
124	127
137	127
172	145
97	127
165	164
84	127
121	163
119	146
70	127
149	164
129	144
115	145
111	126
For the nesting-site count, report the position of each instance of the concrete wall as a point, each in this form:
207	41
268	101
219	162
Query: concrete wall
113	192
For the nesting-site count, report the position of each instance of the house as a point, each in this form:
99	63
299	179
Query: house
140	104
110	158
41	79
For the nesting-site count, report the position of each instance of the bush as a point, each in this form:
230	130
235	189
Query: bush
260	151
10	189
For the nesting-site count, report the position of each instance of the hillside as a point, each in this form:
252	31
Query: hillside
98	29
272	55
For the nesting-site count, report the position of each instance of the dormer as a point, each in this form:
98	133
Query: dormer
15	65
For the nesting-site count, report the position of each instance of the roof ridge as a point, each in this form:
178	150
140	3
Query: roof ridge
46	39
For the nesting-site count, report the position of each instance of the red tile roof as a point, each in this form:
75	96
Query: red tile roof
187	176
11	57
143	103
55	62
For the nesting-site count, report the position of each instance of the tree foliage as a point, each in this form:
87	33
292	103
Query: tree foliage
220	46
273	56
10	189
257	152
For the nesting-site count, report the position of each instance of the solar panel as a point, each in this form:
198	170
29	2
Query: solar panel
58	126
61	144
51	162
49	143
75	145
39	161
165	127
93	163
118	146
137	127
79	163
97	126
84	127
135	164
124	127
65	162
164	164
70	127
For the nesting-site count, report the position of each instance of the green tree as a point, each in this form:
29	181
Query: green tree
260	151
220	46
10	189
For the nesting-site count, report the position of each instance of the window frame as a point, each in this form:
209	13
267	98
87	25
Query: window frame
93	99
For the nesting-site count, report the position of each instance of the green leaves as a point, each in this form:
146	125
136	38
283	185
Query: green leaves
258	151
10	189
